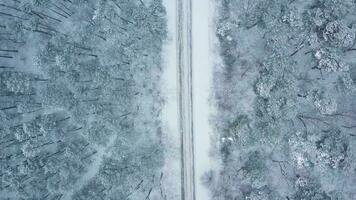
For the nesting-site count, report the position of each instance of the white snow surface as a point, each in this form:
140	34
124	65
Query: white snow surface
171	181
203	61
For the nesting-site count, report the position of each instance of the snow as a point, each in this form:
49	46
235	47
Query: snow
202	83
203	110
172	169
94	167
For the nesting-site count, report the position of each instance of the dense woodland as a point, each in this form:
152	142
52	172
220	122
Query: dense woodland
79	99
285	93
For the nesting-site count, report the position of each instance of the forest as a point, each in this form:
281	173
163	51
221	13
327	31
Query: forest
285	95
80	99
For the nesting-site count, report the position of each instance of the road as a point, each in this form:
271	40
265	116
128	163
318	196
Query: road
203	37
185	96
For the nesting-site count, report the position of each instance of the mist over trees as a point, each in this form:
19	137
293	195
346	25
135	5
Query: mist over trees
79	99
286	100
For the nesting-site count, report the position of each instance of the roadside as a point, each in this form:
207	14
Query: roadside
203	62
171	172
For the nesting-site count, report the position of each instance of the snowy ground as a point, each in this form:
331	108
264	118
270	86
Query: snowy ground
202	64
203	59
172	167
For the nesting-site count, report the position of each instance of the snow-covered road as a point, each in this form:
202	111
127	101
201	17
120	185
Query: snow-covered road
202	58
171	180
193	74
185	96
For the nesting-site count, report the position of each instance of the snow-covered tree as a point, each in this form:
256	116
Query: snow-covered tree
285	91
79	87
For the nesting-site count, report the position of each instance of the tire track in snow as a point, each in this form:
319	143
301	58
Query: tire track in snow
185	96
